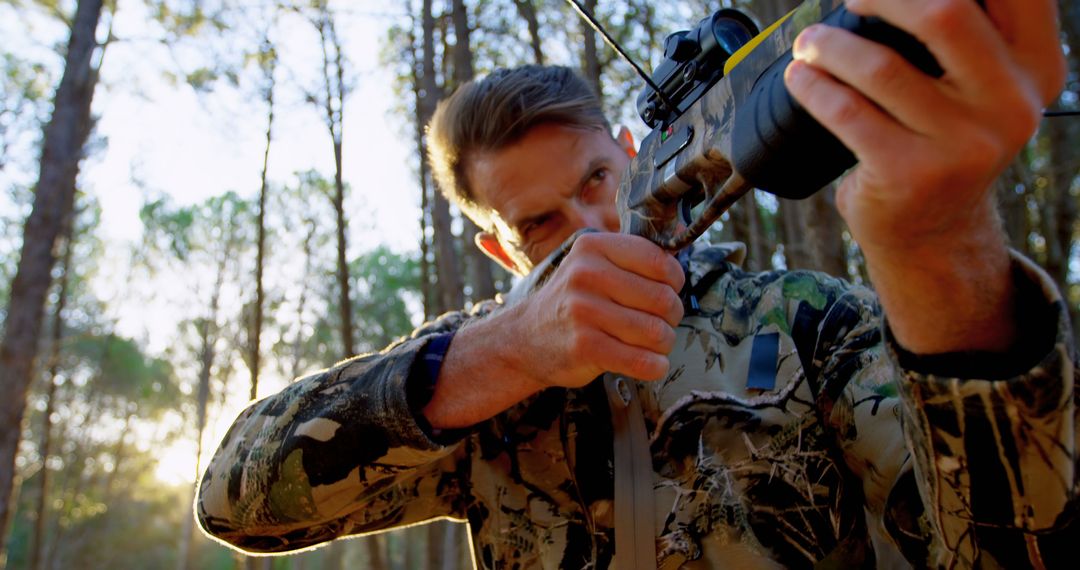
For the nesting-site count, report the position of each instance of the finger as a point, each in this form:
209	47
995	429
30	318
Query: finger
1030	29
632	327
634	254
859	124
612	355
879	73
958	33
629	290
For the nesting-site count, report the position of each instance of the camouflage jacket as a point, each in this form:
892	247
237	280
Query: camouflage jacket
848	453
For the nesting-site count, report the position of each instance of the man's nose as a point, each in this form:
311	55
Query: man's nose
593	216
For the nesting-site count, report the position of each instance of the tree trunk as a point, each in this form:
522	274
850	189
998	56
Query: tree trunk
479	267
71	486
335	556
1060	211
527	10
436	541
377	549
119	450
590	59
447	274
825	233
297	345
425	246
742	230
254	355
759	257
208	336
452	549
37	542
1012	192
422	108
333	107
65	136
796	252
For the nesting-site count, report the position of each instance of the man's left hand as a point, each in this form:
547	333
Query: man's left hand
919	201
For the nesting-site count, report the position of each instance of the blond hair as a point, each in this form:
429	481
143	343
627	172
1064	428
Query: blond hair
491	113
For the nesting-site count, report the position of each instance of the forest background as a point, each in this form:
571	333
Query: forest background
206	199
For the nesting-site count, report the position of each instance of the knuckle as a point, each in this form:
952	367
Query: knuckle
640	364
658	260
650	366
677	272
579	346
845	109
665	338
660	297
885	70
577	309
657	332
942	17
586	243
582	276
675	312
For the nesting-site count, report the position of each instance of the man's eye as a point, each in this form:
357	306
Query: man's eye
534	226
595	181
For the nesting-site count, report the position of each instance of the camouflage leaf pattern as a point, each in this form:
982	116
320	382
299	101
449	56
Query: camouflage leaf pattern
848	462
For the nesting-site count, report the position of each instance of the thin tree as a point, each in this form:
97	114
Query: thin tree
423	176
62	150
480	267
332	101
267	57
527	10
447	266
37	542
590	58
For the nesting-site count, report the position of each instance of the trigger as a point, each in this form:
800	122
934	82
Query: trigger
686	211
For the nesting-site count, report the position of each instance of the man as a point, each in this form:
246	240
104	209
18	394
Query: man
945	438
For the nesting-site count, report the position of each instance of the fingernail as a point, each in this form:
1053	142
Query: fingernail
795	75
804	42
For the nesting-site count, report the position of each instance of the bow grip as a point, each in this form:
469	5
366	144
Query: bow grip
778	147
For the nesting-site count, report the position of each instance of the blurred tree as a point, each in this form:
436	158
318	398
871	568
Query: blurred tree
479	267
266	61
448	280
210	236
65	135
51	380
527	9
332	100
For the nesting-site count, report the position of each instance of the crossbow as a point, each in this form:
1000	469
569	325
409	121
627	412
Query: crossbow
724	123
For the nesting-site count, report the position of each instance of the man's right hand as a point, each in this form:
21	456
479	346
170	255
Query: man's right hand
611	306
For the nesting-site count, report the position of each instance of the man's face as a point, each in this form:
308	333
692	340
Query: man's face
554	181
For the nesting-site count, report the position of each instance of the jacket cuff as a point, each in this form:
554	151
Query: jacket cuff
1043	325
420	387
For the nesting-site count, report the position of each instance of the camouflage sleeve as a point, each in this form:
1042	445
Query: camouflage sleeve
985	473
336	453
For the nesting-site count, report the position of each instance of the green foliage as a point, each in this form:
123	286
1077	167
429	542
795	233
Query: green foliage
124	371
25	87
386	283
198	229
133	527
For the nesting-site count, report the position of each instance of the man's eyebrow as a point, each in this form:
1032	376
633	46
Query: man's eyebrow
590	169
